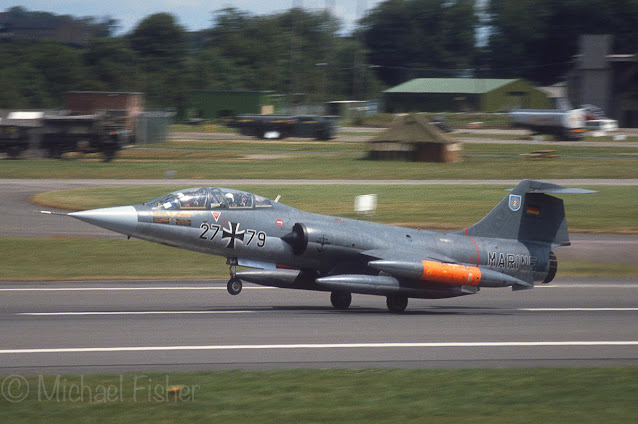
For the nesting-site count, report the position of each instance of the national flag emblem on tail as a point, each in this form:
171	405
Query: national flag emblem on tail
515	202
533	210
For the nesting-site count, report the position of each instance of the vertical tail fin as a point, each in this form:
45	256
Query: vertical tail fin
528	214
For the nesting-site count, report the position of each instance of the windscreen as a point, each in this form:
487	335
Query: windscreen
208	198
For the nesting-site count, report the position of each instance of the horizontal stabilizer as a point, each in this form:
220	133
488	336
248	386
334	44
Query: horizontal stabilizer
550	188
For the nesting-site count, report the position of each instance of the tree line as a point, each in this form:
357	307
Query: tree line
305	51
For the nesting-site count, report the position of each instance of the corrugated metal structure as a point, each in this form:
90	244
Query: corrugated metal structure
213	104
606	80
463	94
411	137
152	127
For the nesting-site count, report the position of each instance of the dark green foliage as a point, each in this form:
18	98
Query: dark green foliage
36	74
536	39
239	52
421	38
160	39
306	52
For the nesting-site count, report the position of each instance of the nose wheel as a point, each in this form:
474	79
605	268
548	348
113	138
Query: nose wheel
234	285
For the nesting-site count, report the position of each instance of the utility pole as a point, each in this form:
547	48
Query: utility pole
295	50
357	77
328	49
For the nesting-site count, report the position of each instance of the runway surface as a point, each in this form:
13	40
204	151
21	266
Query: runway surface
111	326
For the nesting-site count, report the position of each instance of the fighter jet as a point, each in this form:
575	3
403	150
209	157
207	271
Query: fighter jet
512	246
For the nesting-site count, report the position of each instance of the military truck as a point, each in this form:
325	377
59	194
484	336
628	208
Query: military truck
282	126
82	133
14	139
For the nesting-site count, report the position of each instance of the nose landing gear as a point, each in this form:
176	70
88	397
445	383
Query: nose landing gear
234	284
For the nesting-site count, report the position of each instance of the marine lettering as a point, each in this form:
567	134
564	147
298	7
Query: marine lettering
509	260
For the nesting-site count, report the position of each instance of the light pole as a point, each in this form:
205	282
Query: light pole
324	82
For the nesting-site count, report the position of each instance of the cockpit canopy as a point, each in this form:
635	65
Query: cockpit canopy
206	198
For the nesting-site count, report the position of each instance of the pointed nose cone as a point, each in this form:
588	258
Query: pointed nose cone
122	219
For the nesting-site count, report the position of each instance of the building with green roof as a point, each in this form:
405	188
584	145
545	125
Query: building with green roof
463	95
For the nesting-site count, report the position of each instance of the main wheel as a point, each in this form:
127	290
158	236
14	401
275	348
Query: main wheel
14	152
234	286
54	152
397	303
340	299
109	152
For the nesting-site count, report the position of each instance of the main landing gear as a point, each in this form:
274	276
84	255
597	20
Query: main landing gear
340	299
396	303
234	284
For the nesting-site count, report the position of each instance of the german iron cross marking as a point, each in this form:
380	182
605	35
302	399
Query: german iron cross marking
232	233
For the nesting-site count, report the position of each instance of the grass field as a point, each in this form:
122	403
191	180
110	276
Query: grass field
557	395
329	160
441	206
96	259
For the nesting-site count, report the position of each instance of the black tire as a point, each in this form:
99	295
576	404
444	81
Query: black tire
397	303
54	152
234	286
341	299
109	153
14	152
323	135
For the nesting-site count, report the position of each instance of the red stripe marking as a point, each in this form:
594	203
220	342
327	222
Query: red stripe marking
477	249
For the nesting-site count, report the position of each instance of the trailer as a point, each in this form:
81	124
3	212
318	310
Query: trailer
282	126
563	124
82	133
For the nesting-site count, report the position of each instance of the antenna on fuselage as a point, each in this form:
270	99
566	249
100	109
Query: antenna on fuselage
277	198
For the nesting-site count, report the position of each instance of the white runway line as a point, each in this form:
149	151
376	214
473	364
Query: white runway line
106	313
600	343
71	289
578	309
558	285
53	314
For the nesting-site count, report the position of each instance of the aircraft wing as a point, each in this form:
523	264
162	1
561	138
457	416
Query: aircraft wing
440	275
397	255
436	269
